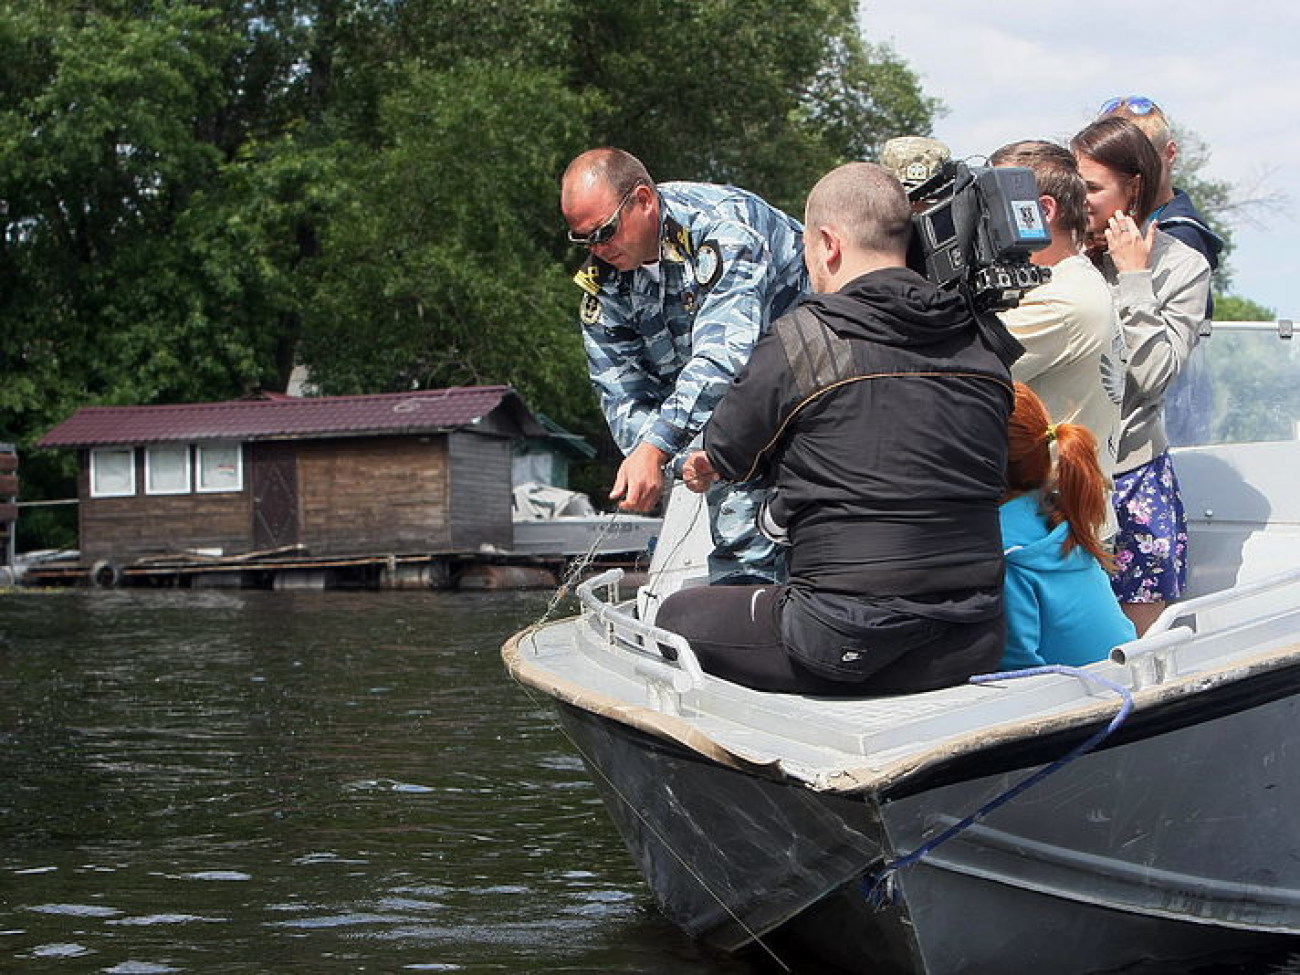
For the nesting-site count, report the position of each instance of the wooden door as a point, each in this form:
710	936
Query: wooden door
275	495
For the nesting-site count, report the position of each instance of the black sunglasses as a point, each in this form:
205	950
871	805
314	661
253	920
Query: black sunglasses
606	231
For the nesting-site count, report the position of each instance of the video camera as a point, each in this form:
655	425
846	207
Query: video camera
974	229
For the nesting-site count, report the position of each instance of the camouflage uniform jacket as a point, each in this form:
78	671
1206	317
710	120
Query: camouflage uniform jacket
664	341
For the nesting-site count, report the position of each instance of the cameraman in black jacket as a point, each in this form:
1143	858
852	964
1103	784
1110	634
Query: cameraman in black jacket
878	411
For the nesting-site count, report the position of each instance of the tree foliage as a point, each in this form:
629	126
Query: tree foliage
200	194
437	269
767	94
1214	198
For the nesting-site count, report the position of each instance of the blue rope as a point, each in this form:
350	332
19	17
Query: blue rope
880	888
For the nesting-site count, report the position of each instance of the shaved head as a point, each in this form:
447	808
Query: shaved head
867	205
611	169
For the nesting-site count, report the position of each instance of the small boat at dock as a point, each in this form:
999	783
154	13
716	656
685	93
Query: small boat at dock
551	521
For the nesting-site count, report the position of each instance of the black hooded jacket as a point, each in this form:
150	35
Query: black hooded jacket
879	414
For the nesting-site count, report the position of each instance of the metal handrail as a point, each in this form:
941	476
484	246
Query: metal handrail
1163	633
1215	599
1150	643
1283	327
637	633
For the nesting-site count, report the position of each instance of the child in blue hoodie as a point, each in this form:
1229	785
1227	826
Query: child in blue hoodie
1060	607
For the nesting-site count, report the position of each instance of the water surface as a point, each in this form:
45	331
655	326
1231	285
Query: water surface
324	782
218	781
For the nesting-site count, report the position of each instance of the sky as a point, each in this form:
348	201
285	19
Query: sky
1228	72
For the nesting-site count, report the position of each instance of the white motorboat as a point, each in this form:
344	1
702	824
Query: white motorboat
551	521
1145	808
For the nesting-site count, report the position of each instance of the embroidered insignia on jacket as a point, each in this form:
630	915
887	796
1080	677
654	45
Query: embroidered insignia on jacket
592	275
589	310
676	243
708	265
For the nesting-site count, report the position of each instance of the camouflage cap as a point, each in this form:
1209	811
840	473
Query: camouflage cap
914	158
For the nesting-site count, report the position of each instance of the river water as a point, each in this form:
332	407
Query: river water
240	781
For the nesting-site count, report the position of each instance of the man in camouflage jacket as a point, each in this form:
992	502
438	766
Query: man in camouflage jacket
682	280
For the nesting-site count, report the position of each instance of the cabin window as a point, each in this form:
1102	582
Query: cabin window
220	467
112	472
167	470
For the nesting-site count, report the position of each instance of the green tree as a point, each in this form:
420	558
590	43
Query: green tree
201	194
99	160
440	268
767	94
1214	198
110	290
1234	308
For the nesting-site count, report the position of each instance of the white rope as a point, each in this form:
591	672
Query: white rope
576	568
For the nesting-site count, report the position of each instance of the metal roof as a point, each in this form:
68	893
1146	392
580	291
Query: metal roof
274	417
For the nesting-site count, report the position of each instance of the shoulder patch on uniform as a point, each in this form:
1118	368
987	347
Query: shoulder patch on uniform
589	310
592	275
708	264
676	243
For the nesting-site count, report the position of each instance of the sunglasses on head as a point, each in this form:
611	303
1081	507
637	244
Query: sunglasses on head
1136	104
606	231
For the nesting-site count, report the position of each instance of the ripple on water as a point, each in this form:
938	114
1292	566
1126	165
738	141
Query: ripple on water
387	785
326	857
60	950
410	904
146	919
76	910
344	921
600	903
219	781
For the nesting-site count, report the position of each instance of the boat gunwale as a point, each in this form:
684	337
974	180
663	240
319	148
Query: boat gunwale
975	752
641	717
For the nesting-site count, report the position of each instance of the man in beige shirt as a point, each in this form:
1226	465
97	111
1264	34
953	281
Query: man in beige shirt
1074	348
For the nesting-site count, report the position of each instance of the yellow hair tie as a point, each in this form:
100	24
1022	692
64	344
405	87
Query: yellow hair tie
1051	432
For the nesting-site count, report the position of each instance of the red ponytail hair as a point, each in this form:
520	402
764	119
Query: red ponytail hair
1079	493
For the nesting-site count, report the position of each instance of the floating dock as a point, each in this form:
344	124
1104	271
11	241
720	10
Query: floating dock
297	570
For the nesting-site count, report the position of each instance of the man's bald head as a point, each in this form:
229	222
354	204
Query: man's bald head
614	170
867	206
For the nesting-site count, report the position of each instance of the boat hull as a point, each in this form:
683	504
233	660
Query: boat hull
1176	843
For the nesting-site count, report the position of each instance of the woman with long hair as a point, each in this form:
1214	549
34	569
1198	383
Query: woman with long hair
1161	289
1060	608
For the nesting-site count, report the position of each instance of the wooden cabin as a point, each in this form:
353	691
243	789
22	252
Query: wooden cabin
424	472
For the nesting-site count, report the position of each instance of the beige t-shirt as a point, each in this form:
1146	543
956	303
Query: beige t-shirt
1074	351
